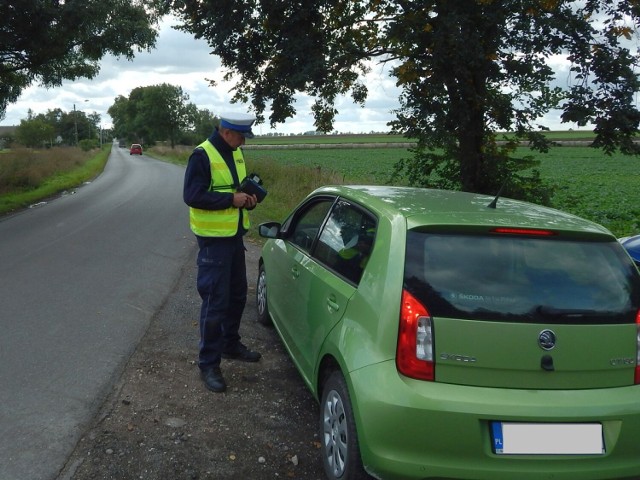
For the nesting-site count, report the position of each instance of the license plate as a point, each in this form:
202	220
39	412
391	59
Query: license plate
511	438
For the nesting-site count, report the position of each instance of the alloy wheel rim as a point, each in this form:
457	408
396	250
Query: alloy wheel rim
335	434
262	293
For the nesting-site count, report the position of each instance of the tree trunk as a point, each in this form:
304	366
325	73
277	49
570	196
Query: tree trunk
470	158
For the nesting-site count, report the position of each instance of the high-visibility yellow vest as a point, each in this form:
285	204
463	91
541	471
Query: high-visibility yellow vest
220	223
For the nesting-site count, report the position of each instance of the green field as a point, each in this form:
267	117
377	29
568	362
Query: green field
586	182
595	186
353	165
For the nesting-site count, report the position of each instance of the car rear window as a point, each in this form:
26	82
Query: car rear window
522	279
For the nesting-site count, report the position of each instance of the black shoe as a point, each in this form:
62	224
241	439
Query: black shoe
213	379
243	354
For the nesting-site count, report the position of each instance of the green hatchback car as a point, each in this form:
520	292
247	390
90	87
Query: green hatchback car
454	335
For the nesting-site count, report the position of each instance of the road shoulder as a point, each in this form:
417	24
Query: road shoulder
160	422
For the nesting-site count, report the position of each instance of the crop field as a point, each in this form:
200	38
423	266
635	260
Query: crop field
354	165
586	182
595	186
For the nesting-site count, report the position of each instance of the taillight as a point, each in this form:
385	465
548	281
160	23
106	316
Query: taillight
414	357
637	375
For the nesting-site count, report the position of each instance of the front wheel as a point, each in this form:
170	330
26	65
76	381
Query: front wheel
261	297
340	447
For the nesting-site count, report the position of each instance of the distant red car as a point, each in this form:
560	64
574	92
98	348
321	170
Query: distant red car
136	149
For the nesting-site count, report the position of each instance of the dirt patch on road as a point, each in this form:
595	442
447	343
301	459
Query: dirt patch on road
161	423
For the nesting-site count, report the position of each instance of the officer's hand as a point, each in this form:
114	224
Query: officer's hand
243	200
251	202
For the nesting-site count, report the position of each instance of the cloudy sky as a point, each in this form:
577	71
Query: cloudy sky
181	60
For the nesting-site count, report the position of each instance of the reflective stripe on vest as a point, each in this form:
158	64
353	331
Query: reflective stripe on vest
220	223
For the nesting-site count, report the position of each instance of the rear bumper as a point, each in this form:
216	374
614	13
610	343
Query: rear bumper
410	429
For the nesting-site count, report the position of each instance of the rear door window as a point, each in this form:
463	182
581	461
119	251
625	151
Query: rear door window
523	279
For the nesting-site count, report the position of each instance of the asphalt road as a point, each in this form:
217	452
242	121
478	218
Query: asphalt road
80	278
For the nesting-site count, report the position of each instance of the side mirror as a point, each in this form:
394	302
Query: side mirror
269	229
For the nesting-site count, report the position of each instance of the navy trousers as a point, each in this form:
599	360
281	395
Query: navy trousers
222	285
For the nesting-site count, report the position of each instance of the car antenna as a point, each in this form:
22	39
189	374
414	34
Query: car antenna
494	202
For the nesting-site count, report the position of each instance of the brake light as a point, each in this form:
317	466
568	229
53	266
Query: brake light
524	231
414	356
637	375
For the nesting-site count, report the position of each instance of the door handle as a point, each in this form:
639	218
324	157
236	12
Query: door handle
332	304
295	273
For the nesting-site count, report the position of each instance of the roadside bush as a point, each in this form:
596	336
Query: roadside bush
6	141
88	144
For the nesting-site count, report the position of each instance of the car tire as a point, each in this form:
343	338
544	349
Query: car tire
340	446
261	298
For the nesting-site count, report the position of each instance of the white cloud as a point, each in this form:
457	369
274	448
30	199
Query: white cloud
180	59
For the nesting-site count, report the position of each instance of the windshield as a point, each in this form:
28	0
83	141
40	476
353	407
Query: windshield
522	279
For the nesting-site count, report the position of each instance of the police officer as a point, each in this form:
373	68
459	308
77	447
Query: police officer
219	218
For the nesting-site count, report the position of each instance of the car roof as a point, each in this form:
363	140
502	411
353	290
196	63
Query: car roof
632	245
432	208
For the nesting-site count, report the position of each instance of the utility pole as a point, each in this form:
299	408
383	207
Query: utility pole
75	121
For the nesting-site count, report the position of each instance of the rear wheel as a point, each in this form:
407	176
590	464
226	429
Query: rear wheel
340	448
261	297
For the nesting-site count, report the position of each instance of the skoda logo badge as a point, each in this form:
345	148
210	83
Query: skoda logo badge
547	339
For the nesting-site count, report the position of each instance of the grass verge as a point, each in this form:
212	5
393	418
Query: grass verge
29	176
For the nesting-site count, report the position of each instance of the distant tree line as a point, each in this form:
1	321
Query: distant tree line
57	127
160	113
